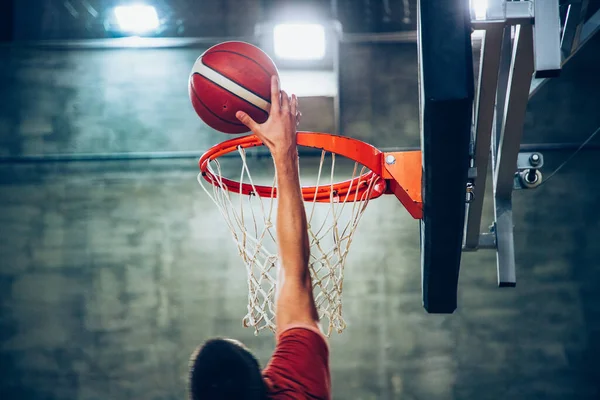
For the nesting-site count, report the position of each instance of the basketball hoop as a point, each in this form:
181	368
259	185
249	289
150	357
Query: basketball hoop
334	210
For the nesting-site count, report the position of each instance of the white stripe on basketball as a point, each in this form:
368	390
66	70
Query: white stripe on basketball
228	84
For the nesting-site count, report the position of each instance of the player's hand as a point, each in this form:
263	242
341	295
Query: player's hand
278	132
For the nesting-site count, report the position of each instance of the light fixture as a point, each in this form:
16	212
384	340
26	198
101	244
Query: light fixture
479	8
299	41
137	18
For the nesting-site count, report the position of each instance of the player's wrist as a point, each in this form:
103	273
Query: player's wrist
286	158
287	170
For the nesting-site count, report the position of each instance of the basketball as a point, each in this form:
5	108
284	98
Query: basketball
231	77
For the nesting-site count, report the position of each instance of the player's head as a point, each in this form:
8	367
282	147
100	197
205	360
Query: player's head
223	369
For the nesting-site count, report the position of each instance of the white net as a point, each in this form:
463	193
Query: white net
331	226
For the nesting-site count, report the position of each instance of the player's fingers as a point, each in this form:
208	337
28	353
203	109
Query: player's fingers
285	101
275	94
294	105
247	120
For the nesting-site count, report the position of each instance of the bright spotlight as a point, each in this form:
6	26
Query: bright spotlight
479	8
299	41
137	18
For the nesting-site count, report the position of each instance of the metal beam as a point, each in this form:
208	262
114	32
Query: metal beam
589	29
514	111
546	37
505	157
484	119
503	75
573	26
505	12
505	243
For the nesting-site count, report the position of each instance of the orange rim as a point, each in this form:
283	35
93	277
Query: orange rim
358	188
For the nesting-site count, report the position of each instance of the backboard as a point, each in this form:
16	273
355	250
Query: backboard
446	103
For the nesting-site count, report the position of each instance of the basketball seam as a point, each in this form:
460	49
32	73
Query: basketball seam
246	57
211	111
228	91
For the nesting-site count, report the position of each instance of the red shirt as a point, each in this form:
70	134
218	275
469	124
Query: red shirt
299	367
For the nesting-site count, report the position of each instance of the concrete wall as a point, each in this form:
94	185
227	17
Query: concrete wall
99	101
111	273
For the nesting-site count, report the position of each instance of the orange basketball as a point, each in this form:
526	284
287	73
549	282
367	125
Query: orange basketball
232	77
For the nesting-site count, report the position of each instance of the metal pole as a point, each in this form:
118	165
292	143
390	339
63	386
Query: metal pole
503	74
484	118
514	110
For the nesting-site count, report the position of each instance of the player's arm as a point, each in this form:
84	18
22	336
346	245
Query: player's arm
295	302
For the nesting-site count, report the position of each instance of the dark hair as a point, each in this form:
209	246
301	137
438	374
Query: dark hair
223	370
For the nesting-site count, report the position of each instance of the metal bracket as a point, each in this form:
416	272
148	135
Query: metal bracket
519	12
527	179
530	160
506	13
528	175
403	170
487	241
516	67
472	173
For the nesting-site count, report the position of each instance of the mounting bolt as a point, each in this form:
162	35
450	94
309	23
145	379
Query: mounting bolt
535	159
470	193
390	159
530	178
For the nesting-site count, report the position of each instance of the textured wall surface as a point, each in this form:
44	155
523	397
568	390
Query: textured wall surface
111	273
128	100
98	101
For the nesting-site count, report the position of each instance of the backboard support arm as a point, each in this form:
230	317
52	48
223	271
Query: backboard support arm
513	67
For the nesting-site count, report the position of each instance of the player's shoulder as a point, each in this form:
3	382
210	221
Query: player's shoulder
304	339
308	330
299	366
